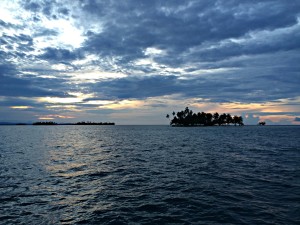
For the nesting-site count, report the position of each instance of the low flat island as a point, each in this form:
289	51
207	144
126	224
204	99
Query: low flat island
78	123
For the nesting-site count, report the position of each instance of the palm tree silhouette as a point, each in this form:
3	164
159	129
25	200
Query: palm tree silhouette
186	117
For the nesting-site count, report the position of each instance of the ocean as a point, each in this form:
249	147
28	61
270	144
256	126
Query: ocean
149	175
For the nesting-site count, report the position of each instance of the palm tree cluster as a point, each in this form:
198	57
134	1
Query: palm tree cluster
188	118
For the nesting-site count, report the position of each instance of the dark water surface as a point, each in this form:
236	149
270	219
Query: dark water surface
149	175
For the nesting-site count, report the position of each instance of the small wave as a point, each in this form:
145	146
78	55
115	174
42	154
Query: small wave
99	174
152	208
150	175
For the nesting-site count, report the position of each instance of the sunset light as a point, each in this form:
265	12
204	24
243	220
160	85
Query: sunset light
93	58
149	112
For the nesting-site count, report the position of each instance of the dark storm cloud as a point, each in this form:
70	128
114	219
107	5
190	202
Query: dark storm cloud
3	24
15	101
265	55
225	87
180	25
50	8
8	25
57	54
22	42
12	85
283	42
143	87
255	45
59	84
15	47
138	87
32	6
7	69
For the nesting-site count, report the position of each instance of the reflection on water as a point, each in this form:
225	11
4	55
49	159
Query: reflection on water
149	175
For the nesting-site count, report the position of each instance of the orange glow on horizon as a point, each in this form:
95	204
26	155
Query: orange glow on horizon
277	118
72	108
46	118
21	107
52	117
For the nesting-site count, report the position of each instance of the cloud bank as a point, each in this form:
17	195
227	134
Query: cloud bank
84	59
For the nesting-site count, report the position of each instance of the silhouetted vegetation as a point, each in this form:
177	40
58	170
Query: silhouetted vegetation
188	118
262	123
93	123
45	123
78	123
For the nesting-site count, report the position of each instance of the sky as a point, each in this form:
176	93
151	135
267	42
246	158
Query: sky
134	61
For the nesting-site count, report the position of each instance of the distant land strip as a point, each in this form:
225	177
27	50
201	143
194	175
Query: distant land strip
49	123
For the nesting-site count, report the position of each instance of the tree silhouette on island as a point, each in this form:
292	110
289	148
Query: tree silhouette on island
78	123
45	123
94	123
188	118
262	123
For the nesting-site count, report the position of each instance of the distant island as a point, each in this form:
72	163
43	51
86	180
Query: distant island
262	123
44	123
49	123
93	123
188	118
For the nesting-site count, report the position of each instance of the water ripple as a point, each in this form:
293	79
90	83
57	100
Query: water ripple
149	175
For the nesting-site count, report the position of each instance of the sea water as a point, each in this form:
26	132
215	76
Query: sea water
149	175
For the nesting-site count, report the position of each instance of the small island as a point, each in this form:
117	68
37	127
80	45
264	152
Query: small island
47	123
188	118
44	123
262	123
93	123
